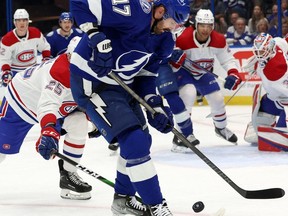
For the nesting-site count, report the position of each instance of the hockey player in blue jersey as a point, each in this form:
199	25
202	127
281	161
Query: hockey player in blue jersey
118	38
60	38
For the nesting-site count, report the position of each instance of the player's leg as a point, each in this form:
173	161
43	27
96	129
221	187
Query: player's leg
208	86
168	87
13	130
71	184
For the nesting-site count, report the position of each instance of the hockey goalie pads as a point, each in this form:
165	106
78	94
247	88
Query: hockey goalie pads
272	139
258	118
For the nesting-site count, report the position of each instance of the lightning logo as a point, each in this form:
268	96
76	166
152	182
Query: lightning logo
99	104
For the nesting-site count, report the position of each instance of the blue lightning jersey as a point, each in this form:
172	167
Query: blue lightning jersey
58	42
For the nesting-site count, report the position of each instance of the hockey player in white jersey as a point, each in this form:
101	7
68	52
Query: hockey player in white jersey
201	46
41	94
19	47
269	111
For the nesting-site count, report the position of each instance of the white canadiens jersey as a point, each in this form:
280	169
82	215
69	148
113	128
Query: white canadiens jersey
17	54
274	74
42	89
204	53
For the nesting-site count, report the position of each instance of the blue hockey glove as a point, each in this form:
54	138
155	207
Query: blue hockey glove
177	58
232	81
6	77
101	61
48	142
163	119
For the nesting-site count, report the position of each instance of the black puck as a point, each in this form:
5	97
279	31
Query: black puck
198	206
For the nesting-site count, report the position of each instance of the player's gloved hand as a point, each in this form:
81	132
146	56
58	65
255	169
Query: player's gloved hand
6	77
177	58
233	80
45	59
101	61
163	119
48	142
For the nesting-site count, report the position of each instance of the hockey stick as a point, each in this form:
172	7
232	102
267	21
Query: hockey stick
190	65
271	193
187	66
88	171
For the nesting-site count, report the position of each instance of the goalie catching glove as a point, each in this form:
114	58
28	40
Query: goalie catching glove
48	141
233	80
102	61
162	120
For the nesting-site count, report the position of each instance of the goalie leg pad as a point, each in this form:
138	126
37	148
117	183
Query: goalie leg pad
272	139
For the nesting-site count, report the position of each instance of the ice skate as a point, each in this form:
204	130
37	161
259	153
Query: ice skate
180	147
113	147
128	205
73	187
226	134
160	209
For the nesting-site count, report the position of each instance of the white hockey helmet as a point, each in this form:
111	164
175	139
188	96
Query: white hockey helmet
204	16
73	44
263	46
21	14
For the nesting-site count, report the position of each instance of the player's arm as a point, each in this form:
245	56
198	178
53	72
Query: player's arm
44	48
5	62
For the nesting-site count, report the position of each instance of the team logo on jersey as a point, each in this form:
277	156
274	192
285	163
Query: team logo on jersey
26	56
205	63
66	108
146	7
130	63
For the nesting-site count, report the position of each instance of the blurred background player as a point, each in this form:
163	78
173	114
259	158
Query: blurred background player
60	38
42	94
272	68
120	40
20	46
200	47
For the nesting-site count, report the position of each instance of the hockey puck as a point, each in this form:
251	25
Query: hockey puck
198	206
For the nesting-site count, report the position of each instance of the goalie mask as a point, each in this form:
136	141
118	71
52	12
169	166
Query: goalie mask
263	46
176	9
204	16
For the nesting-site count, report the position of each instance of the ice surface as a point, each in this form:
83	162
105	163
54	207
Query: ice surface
29	184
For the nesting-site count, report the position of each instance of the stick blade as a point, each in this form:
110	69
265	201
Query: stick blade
272	193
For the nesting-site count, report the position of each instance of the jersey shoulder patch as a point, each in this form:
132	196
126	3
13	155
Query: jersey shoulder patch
9	39
276	67
60	70
49	34
217	40
34	33
185	40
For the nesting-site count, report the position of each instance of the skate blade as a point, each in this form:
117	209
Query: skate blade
180	149
72	195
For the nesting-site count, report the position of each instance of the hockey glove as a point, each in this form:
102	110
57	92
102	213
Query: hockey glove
48	143
163	119
101	61
6	77
232	80
177	58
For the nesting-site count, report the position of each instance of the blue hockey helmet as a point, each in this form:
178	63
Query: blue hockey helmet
66	16
176	9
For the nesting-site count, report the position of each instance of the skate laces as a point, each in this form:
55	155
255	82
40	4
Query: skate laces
135	204
226	132
161	209
75	178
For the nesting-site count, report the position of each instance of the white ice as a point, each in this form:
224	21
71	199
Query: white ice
29	184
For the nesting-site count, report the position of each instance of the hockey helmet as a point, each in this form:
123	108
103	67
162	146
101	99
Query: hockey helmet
21	14
66	16
263	46
73	44
204	16
176	9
